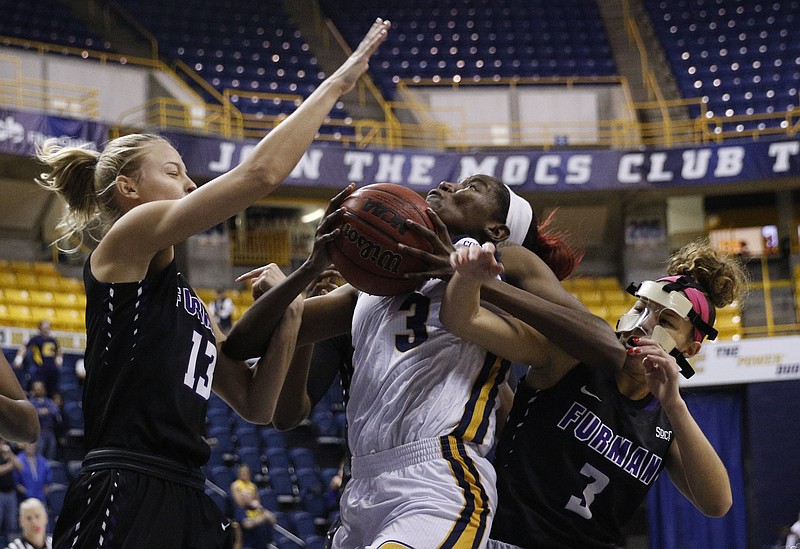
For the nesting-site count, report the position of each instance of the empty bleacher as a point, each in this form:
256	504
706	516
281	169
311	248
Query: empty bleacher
253	50
293	480
480	41
48	21
35	291
741	58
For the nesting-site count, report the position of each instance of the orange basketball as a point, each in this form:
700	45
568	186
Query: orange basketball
373	223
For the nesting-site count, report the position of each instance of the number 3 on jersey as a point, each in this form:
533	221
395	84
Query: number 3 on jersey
418	307
201	384
597	483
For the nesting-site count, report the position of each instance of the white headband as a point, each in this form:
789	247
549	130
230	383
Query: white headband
518	220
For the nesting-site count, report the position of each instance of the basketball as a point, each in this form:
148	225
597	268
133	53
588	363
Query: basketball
373	224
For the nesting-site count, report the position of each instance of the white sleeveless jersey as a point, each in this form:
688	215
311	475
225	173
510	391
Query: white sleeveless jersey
413	379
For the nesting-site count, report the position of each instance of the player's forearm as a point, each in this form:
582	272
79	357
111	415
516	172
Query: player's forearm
583	335
461	303
705	475
19	421
270	372
294	404
251	335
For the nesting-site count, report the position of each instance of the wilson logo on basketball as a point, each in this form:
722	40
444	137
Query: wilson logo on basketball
369	250
391	217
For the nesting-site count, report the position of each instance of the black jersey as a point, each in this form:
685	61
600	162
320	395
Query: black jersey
150	358
575	461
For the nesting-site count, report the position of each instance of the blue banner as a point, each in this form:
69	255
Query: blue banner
527	171
334	166
20	132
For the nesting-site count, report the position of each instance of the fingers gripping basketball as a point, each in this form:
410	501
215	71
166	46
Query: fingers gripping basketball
373	224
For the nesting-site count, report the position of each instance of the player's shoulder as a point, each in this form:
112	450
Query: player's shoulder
520	262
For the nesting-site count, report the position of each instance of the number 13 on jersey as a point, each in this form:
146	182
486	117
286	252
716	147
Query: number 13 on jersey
201	384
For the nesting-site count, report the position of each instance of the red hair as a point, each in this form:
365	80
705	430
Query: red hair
551	245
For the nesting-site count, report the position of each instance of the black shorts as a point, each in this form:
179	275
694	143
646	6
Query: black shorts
139	502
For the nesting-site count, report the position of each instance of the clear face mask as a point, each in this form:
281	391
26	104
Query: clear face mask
647	321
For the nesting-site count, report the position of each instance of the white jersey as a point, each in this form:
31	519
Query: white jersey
413	379
21	543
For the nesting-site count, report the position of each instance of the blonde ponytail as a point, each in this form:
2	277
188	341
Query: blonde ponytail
86	180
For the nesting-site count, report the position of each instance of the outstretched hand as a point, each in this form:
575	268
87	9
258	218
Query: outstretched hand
263	278
476	262
357	64
439	258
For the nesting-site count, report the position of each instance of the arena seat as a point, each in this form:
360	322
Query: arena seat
479	40
314	502
251	457
280	481
47	21
277	458
58	472
273	438
314	542
223	476
246	438
269	499
223	436
222	502
73	412
55	499
246	47
308	479
740	58
302	458
303	523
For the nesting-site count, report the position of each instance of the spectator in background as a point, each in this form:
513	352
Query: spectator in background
222	311
254	519
8	494
49	419
47	358
33	520
33	480
17	416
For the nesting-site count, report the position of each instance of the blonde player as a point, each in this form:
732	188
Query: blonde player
152	356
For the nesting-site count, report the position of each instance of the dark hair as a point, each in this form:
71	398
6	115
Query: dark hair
549	244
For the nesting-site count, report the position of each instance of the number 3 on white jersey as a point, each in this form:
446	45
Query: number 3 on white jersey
203	383
598	481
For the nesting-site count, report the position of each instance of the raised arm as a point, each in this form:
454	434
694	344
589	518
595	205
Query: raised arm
253	393
323	316
19	421
463	315
154	226
534	295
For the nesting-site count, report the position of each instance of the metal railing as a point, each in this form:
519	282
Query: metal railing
43	95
